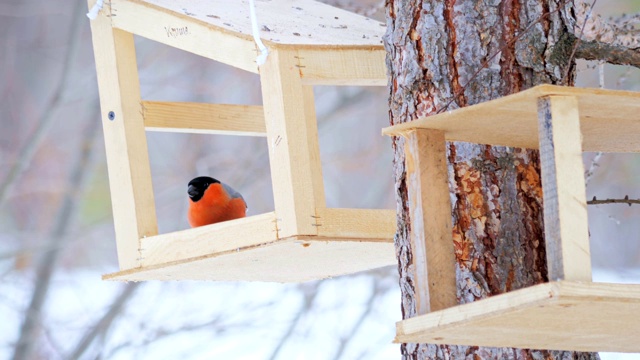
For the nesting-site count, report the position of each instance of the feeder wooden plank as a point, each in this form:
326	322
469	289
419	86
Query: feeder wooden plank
204	118
134	213
556	316
369	224
361	67
250	249
434	261
313	143
205	240
609	120
294	154
287	260
298	23
565	204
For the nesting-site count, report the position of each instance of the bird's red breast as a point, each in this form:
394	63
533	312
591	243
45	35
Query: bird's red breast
216	205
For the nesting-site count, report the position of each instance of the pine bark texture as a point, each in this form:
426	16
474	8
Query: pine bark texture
454	53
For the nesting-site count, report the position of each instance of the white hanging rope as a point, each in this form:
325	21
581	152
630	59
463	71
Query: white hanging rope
95	9
262	58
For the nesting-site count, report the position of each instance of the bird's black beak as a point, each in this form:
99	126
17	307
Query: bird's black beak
193	191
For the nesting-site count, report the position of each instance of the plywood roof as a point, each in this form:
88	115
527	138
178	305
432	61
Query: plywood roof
609	119
281	22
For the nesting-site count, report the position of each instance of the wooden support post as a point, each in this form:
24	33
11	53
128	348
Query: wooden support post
294	152
565	205
134	213
313	141
431	230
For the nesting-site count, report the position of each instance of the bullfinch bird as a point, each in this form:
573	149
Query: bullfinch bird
211	201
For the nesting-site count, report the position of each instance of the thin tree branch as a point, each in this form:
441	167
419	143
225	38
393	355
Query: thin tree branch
309	296
575	47
35	139
626	200
103	325
367	311
215	325
616	42
46	266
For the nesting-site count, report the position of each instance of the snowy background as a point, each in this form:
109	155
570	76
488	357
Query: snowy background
56	206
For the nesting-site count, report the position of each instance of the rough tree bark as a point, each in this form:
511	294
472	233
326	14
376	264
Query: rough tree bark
444	54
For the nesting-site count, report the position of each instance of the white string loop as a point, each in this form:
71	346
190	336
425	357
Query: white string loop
95	9
264	52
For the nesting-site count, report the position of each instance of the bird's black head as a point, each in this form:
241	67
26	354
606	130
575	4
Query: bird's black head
198	186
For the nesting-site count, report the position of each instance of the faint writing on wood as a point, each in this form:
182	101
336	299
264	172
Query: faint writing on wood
176	31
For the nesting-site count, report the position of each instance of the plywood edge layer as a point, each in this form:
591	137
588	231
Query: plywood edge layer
548	89
438	121
495	104
331	253
560	297
609	120
190	117
408	329
125	274
603	291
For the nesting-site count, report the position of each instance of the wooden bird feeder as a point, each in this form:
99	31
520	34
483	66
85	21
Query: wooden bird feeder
570	312
309	44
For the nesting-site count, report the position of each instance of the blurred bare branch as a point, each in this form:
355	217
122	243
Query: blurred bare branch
47	265
587	16
25	9
309	291
104	323
215	325
616	41
35	139
344	342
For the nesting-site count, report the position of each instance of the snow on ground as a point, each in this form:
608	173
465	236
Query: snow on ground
212	320
628	276
216	320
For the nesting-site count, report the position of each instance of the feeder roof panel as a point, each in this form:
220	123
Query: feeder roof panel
609	119
281	22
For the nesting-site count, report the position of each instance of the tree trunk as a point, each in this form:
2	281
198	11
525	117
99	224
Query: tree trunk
449	54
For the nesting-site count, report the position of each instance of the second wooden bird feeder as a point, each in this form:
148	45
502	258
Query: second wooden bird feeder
570	312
